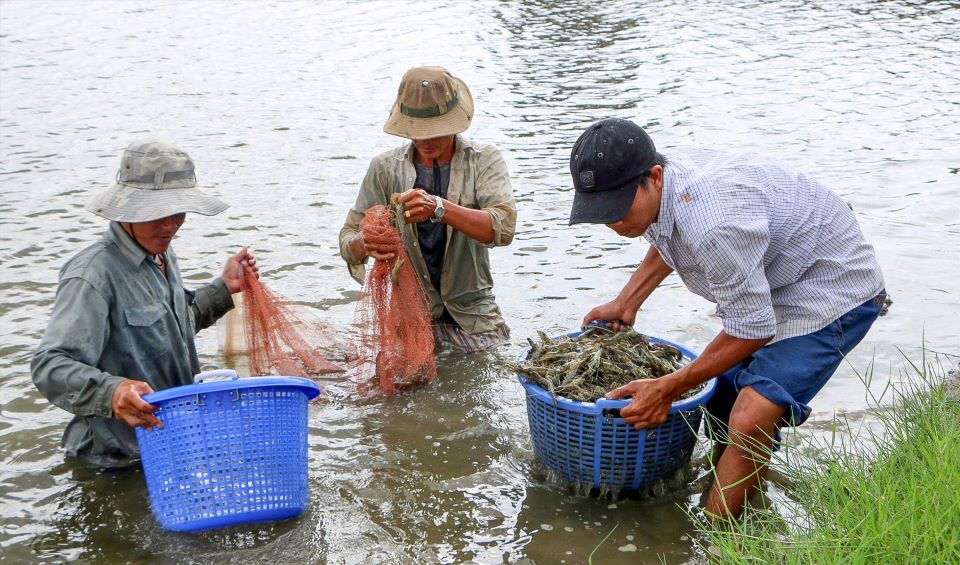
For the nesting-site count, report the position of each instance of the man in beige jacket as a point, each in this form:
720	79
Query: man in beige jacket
457	203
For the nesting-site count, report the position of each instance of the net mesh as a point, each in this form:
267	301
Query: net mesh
277	336
393	315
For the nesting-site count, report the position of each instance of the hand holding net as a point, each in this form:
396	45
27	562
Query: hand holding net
396	333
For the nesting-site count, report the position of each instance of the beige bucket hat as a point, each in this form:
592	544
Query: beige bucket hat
430	103
155	180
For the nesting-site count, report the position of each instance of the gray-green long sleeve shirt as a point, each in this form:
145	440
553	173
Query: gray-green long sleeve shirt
478	180
115	317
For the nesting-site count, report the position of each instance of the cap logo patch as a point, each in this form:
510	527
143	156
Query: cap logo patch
586	179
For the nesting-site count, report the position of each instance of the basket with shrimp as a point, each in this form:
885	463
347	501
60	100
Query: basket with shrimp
579	435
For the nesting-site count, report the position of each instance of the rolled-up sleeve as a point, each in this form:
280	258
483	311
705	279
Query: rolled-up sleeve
495	196
351	227
64	366
371	193
732	260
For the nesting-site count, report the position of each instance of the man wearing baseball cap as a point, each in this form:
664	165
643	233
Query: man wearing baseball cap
123	324
796	285
457	202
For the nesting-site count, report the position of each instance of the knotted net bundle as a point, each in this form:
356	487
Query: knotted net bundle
393	315
277	336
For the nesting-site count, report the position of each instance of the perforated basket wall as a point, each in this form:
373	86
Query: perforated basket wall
587	443
227	457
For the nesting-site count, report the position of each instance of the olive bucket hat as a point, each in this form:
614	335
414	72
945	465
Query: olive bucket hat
430	103
155	180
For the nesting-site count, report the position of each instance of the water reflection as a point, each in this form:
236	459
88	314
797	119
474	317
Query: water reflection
561	70
94	512
439	447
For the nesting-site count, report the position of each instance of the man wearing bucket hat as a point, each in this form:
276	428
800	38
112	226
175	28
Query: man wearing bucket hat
457	203
123	324
796	285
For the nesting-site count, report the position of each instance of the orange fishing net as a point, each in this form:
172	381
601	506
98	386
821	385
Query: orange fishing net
393	315
277	336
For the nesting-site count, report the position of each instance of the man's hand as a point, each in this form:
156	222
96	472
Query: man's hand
378	250
621	312
617	317
129	408
418	205
651	402
233	270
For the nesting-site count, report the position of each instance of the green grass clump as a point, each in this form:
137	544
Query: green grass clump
898	504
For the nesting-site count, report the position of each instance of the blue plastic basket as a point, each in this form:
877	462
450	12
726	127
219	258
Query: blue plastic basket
230	452
587	443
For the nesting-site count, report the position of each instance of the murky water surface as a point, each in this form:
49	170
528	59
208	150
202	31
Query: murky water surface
281	107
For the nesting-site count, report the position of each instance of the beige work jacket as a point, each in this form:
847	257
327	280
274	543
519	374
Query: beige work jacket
478	180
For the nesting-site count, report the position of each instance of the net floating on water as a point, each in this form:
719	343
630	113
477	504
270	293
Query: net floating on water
396	346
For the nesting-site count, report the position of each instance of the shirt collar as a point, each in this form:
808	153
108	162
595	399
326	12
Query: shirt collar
665	219
129	249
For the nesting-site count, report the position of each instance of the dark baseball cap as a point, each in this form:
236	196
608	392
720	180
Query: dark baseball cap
607	163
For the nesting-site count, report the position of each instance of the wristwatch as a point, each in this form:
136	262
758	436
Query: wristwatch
438	211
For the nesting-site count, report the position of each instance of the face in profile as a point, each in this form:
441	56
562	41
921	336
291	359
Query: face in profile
645	208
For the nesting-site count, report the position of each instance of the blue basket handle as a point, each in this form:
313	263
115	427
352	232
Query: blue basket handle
216	375
611	407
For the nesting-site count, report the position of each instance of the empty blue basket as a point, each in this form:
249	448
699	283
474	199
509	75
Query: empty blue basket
230	452
587	443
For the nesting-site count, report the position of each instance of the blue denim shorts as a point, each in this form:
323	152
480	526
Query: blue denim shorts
792	371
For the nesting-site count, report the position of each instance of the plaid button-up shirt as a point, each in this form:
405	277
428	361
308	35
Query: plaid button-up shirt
780	254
